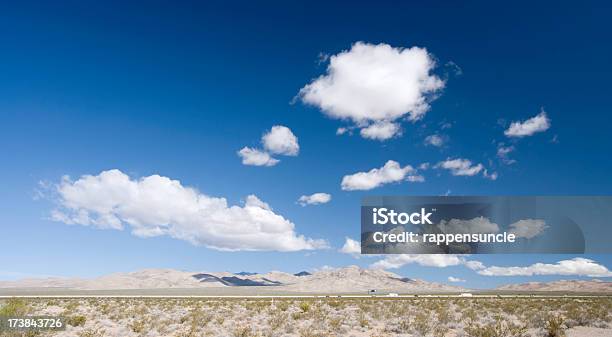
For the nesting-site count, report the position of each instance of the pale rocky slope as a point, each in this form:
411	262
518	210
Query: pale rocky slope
562	285
341	280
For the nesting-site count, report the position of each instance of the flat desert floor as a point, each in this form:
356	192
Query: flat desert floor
310	317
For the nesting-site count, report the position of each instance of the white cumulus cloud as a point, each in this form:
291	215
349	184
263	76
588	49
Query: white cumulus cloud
159	206
381	131
427	260
389	173
351	247
460	167
474	265
314	199
256	157
280	140
455	279
539	123
480	225
375	83
577	266
528	228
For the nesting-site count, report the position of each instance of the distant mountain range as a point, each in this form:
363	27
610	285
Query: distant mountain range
350	279
562	285
341	280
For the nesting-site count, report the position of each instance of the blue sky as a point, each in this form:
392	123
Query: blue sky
178	90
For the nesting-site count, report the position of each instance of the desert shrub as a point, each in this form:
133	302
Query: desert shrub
77	320
304	306
363	320
55	302
421	323
14	307
554	327
337	304
469	314
311	332
277	320
499	328
404	325
282	305
536	319
443	315
138	326
91	333
336	323
440	331
71	305
242	331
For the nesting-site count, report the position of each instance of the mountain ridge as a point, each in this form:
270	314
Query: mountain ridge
594	285
339	280
350	279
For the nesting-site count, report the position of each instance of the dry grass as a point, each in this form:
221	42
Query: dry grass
435	317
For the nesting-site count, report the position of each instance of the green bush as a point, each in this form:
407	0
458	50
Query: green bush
14	307
76	320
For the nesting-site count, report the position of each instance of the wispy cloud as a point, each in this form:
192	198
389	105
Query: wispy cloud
503	153
539	123
255	157
460	167
577	266
434	140
314	199
391	172
426	260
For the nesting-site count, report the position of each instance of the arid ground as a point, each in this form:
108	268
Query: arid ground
375	316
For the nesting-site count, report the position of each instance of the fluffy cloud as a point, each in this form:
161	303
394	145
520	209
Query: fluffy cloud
391	172
434	140
256	157
314	199
351	247
460	167
159	206
479	225
280	140
577	266
381	131
427	260
455	279
539	123
528	228
474	265
371	84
